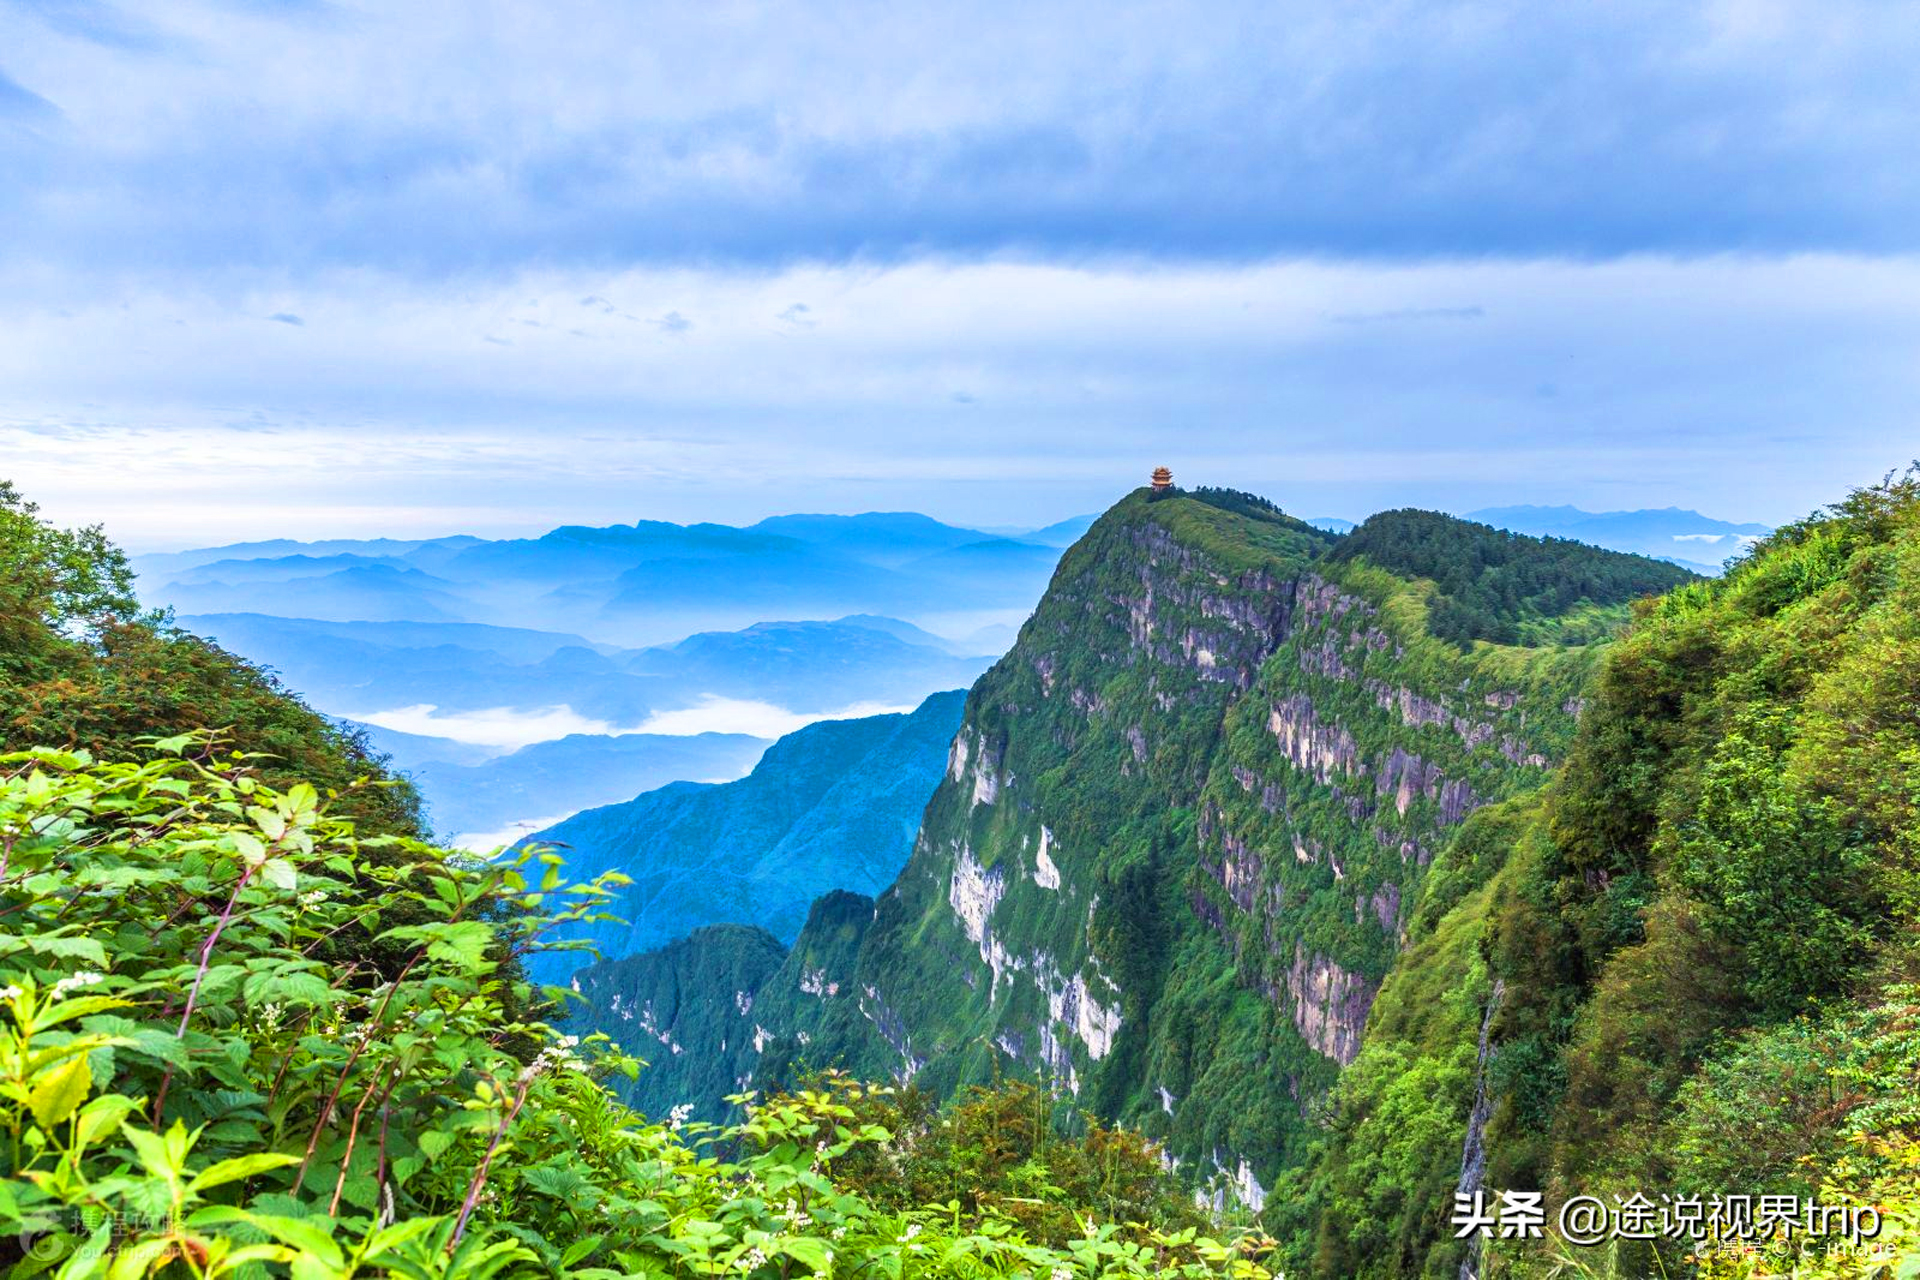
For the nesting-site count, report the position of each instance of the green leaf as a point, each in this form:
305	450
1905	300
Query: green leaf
310	1235
434	1143
101	1116
67	947
56	1095
239	1167
270	822
155	1157
579	1249
248	846
463	943
808	1251
279	873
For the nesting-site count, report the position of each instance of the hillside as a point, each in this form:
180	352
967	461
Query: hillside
1179	835
82	666
1233	849
1684	966
831	806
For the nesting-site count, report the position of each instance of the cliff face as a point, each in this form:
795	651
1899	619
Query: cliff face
1179	830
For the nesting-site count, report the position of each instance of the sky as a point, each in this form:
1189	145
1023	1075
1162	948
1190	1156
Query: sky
293	268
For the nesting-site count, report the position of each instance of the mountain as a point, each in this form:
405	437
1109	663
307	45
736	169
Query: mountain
417	749
1357	919
1684	537
1681	966
1183	825
623	585
559	777
831	806
1061	534
811	666
413	685
164	564
888	538
362	669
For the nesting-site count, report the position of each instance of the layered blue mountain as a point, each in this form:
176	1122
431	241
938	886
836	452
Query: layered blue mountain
518	680
500	800
626	585
494	682
831	806
360	670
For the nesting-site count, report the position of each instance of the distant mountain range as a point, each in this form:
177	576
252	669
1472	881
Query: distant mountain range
831	806
502	726
519	680
631	585
498	801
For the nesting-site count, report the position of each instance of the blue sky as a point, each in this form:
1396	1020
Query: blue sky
323	269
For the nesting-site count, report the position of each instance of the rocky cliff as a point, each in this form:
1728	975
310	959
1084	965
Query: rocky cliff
1179	832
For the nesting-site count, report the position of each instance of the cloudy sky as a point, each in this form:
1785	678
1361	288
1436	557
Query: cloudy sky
317	269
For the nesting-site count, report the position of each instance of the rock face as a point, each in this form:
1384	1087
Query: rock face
1167	861
1329	1005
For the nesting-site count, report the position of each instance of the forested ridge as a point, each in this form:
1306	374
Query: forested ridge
1509	588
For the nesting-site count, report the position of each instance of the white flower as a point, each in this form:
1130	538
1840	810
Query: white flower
1062	1273
10	993
678	1116
77	981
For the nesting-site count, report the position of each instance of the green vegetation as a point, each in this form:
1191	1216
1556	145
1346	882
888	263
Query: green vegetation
1508	587
190	1087
1625	916
82	667
1702	934
1731	874
1168	866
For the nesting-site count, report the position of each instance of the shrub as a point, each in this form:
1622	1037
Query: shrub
239	1039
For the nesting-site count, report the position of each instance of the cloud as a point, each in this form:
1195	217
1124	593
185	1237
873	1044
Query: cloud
799	315
488	841
287	317
1678	382
673	322
714	714
1411	313
449	141
20	102
102	24
510	728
